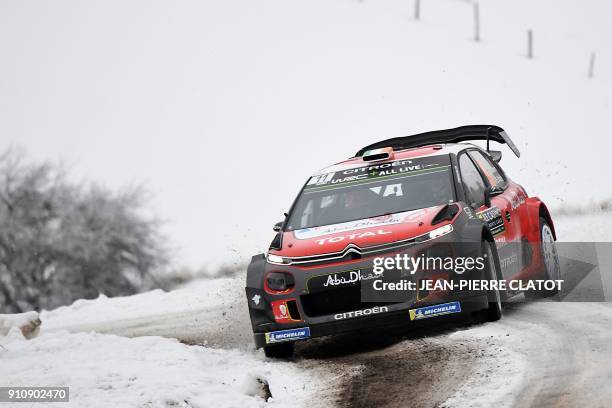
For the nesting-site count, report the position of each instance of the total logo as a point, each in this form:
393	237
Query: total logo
323	241
361	313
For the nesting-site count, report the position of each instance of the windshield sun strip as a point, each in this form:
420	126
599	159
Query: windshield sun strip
421	172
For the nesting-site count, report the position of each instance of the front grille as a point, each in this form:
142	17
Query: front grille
340	300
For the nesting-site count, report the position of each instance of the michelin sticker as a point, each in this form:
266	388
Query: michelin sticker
288	335
435	310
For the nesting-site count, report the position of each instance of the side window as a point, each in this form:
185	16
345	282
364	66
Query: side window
488	169
472	182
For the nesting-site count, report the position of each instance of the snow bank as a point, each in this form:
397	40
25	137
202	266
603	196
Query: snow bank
79	347
212	312
112	371
28	323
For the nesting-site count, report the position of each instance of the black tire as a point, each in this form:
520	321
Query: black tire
548	252
282	350
494	311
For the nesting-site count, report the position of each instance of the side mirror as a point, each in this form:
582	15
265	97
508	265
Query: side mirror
277	227
492	192
496	155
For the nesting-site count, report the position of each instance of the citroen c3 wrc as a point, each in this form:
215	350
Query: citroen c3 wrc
430	194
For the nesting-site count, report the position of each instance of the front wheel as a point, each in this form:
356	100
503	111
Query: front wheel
494	311
282	350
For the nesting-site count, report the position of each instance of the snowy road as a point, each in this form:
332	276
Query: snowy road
541	354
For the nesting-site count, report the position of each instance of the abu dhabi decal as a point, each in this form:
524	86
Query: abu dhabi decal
435	310
361	313
339	279
288	335
494	220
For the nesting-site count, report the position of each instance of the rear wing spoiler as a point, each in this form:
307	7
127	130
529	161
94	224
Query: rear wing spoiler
456	135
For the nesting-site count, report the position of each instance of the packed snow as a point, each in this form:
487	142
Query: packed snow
208	312
105	370
544	354
75	349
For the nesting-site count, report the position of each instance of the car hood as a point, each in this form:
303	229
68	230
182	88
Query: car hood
363	233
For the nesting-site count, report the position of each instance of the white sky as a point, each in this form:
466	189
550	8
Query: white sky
225	107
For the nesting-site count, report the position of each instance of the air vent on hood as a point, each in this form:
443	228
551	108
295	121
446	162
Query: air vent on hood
447	213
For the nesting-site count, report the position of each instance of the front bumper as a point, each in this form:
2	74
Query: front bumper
399	316
341	309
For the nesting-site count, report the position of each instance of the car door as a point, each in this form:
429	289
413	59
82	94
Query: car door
493	177
498	216
515	253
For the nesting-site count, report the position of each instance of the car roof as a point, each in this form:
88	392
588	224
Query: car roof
423	151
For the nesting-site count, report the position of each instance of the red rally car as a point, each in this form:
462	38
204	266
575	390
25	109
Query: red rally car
427	195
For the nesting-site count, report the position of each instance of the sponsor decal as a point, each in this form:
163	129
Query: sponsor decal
321	179
458	174
320	283
315	232
517	199
413	216
340	238
288	335
469	212
435	310
339	279
256	298
281	313
361	313
494	220
384	171
506	262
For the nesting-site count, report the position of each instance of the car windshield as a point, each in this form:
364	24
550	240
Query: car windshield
371	191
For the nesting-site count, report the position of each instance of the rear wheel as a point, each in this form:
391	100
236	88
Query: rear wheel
550	260
282	350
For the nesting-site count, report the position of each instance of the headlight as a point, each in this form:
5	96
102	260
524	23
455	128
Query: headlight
437	233
278	260
280	281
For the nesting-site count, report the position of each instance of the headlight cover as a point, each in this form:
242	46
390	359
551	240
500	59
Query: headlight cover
278	260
